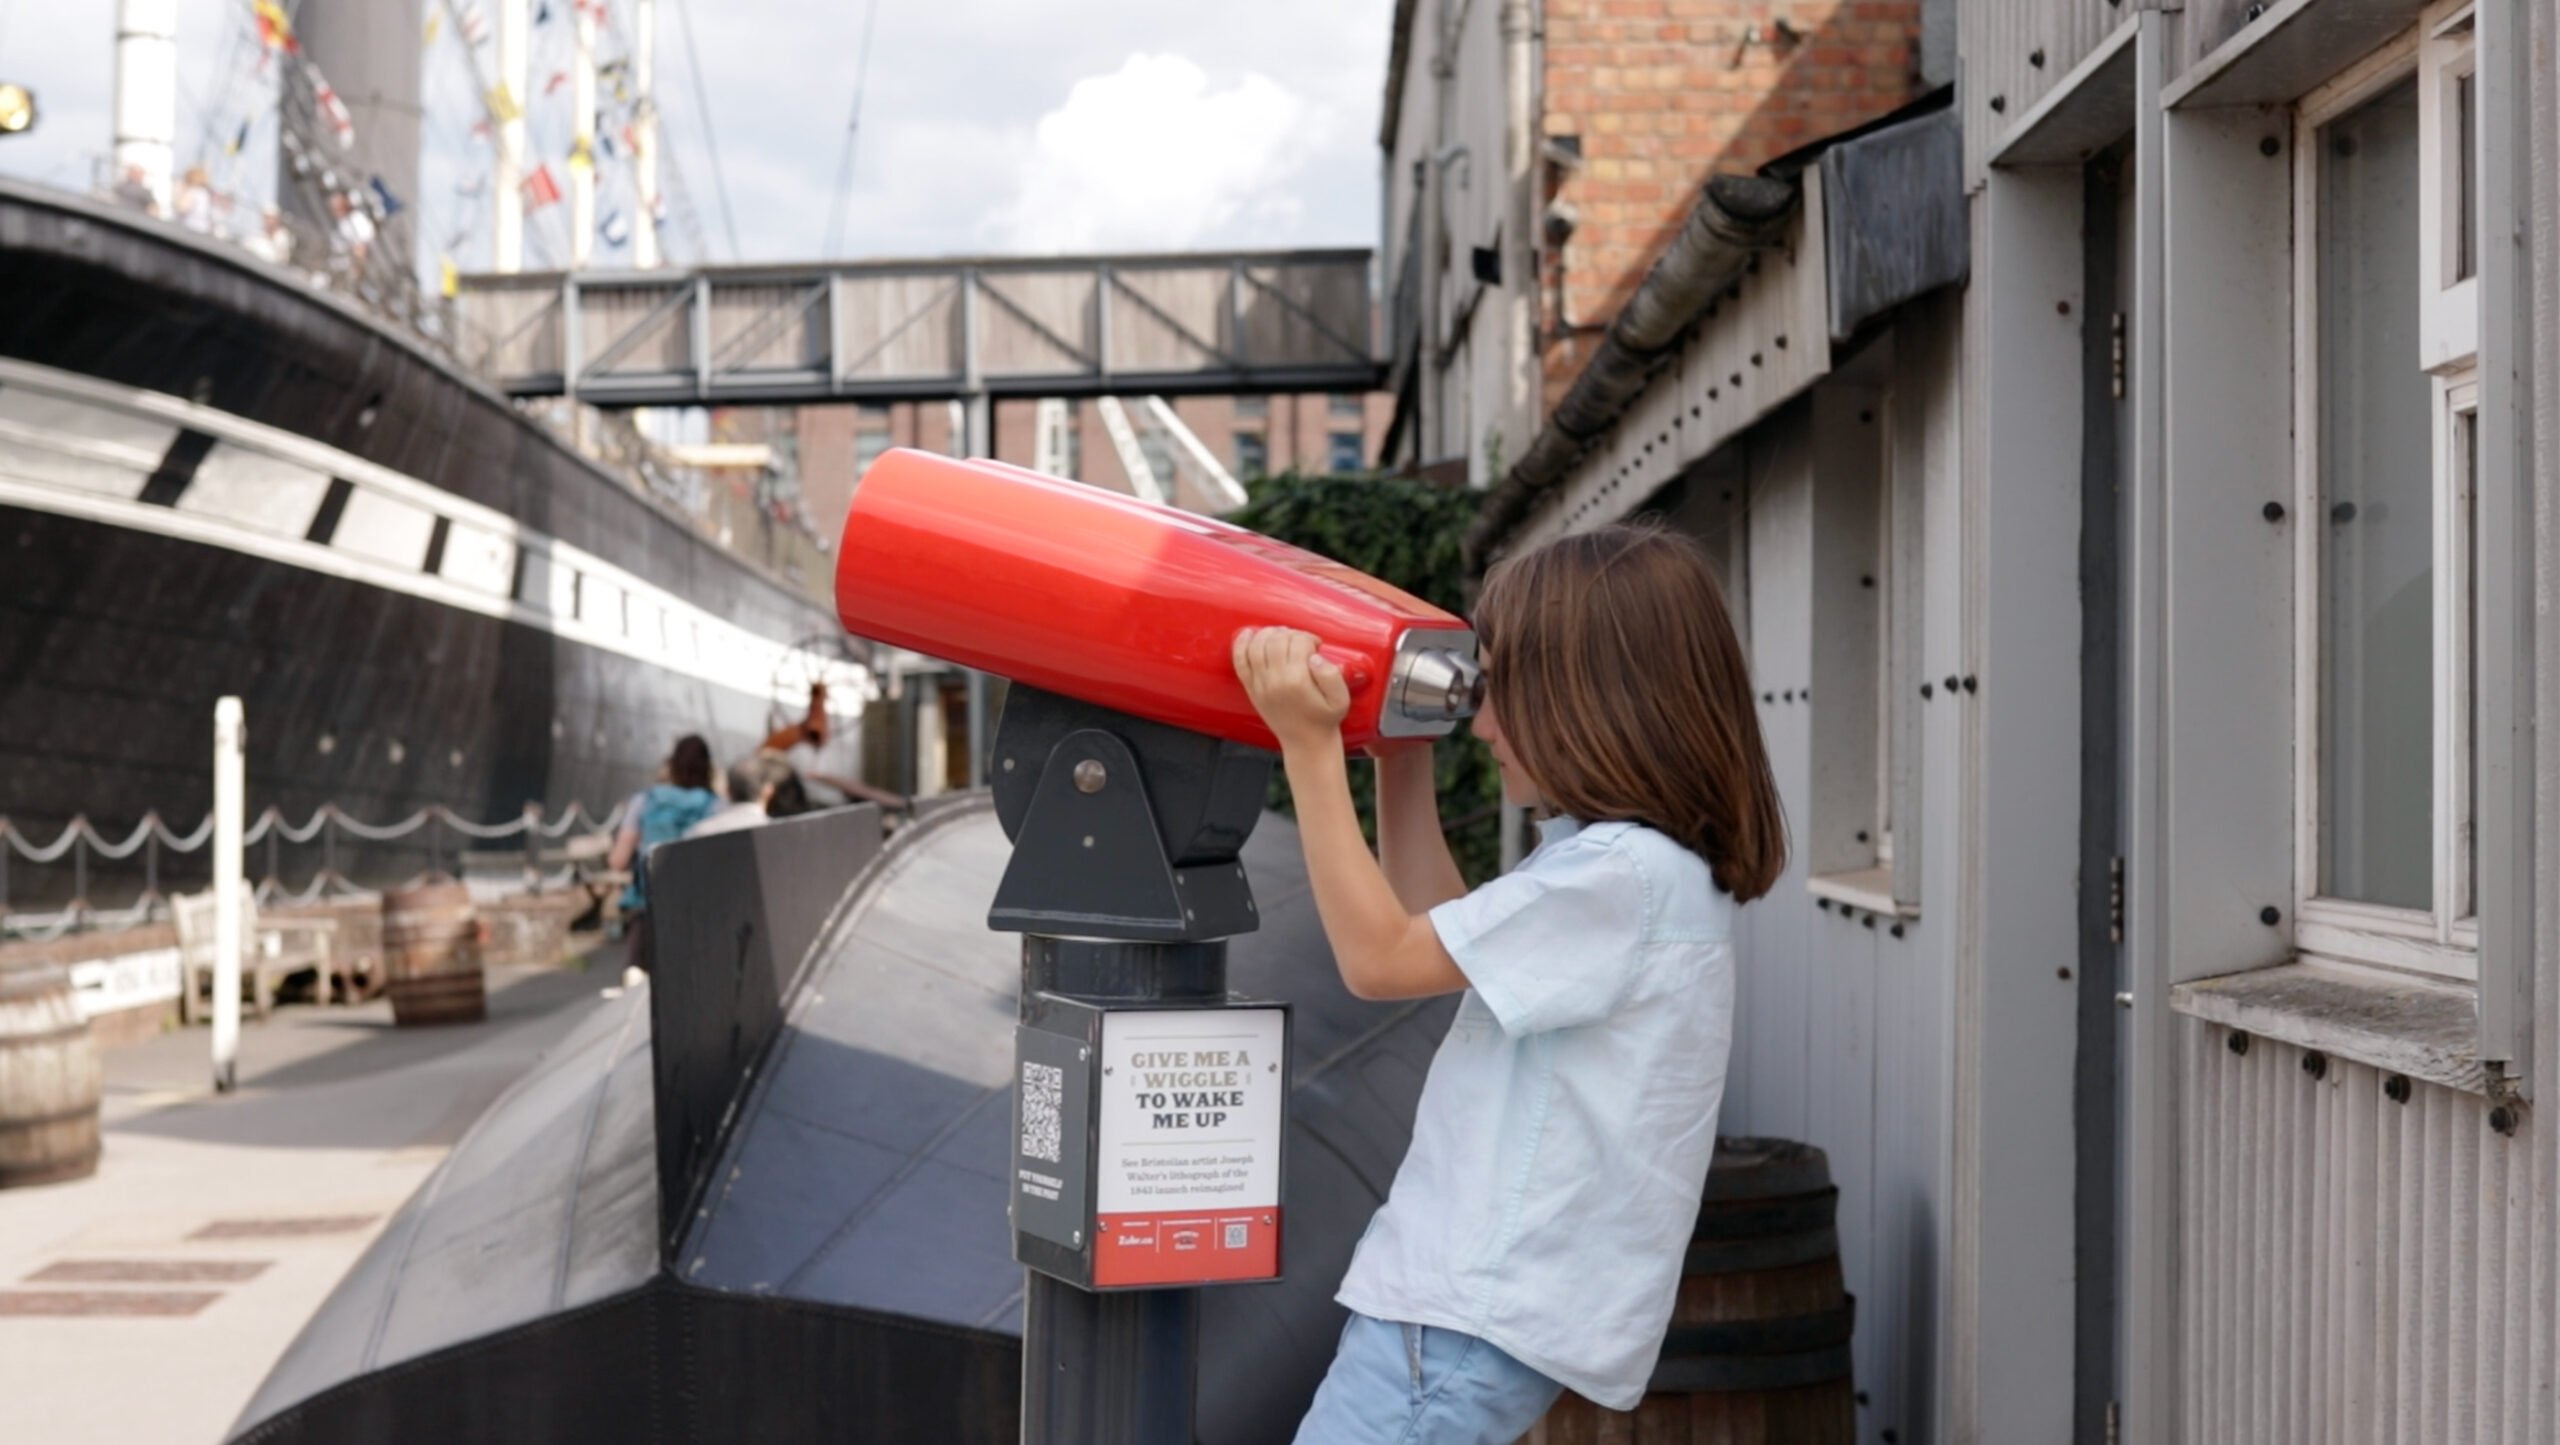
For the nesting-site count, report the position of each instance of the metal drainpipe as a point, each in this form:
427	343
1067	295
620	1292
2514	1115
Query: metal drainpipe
1520	154
1426	351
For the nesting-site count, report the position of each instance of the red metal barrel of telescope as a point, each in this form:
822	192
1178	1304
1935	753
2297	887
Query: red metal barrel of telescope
1100	596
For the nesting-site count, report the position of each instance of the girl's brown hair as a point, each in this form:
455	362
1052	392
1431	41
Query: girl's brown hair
1616	676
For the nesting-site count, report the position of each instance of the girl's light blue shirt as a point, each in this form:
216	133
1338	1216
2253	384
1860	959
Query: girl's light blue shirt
1566	1127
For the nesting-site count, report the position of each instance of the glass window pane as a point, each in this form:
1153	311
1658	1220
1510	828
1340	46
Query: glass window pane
2466	250
2466	459
2377	556
1343	451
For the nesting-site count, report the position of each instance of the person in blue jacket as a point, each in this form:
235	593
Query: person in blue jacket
659	813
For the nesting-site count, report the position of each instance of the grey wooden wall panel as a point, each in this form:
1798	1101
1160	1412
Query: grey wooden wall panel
2013	52
1169	320
2229	593
513	328
1779	990
894	326
649	333
767	326
1039	324
2022	692
1845	970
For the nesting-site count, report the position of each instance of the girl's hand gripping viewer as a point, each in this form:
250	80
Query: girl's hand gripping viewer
1129	605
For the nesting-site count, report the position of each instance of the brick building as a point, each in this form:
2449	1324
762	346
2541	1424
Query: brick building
1539	157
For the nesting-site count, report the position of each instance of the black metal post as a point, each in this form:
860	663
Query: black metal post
79	870
1125	886
1117	1366
5	848
150	857
329	841
1114	1367
275	831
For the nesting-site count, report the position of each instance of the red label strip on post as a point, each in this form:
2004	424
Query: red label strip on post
1179	1247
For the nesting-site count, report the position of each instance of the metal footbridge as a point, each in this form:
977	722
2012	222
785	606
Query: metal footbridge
932	330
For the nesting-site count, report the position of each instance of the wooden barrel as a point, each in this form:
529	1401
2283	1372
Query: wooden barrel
431	955
1758	1349
48	1080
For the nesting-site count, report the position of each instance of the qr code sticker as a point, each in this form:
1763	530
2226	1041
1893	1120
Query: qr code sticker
1235	1235
1044	1088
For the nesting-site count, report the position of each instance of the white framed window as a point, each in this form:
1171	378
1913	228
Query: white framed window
2386	459
2448	195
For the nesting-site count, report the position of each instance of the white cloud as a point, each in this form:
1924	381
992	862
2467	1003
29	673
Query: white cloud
988	124
1154	157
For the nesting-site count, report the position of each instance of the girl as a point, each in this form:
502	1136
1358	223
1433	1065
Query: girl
1533	1239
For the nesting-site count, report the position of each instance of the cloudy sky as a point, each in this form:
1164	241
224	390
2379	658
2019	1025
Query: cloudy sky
988	125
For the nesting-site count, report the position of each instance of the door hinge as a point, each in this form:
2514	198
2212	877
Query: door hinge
2115	356
2114	1411
2115	900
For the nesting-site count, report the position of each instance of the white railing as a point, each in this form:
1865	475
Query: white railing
80	840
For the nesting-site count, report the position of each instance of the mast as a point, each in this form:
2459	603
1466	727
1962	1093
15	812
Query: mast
507	250
582	148
369	56
644	135
146	94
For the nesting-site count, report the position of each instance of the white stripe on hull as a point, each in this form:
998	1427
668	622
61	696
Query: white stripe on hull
76	446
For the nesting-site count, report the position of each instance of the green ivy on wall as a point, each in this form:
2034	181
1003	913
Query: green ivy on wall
1405	532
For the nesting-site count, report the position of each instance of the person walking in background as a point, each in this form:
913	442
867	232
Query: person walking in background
195	201
271	242
756	781
1533	1239
660	814
133	190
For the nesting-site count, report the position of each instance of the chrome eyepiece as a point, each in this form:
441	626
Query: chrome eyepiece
1437	686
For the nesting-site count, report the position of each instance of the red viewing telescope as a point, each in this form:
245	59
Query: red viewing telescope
1127	604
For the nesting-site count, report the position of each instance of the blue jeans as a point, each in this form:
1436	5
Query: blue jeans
1395	1384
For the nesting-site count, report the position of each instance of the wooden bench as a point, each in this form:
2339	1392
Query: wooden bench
270	953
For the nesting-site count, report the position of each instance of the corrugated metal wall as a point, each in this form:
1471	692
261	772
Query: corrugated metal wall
2357	1271
2013	51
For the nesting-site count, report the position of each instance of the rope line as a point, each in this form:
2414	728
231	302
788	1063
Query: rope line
80	831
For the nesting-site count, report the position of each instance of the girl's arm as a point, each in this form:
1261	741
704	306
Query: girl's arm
1383	950
1411	847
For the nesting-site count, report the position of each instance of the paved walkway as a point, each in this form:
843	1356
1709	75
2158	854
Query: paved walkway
145	1304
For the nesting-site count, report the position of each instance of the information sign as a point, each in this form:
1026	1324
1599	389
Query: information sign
1187	1155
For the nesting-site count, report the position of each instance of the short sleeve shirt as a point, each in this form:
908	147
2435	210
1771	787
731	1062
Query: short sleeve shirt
1565	1130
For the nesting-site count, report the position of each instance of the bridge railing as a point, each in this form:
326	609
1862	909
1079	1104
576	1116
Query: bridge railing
1238	322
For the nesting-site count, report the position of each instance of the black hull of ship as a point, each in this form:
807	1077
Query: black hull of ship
116	644
115	641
